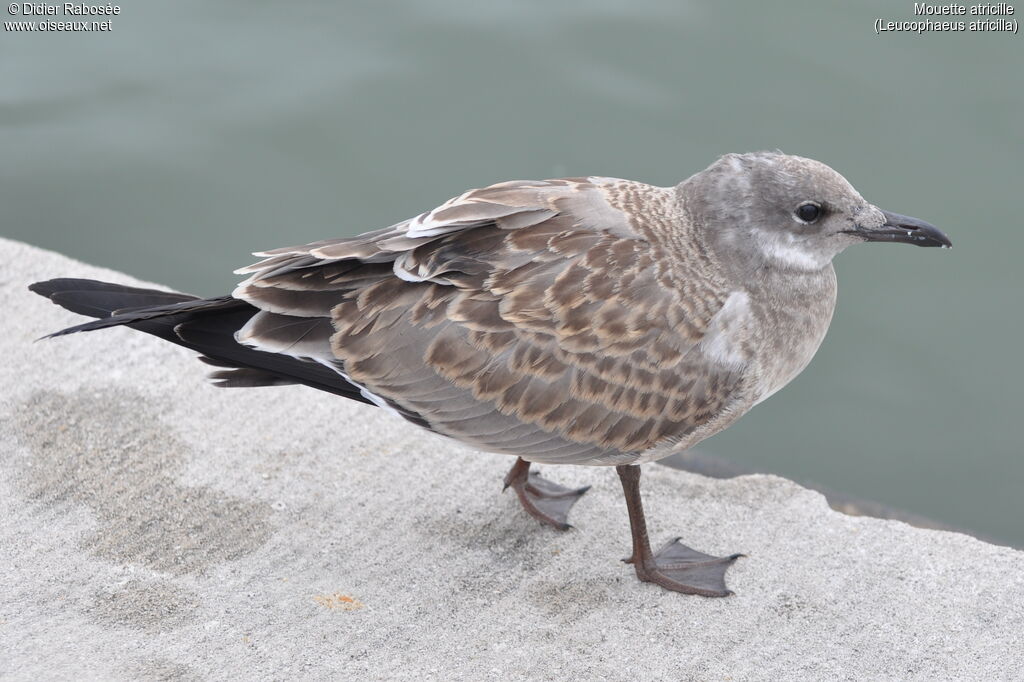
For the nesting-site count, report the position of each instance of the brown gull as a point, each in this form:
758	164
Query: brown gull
592	320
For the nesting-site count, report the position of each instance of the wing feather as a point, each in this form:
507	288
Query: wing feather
545	319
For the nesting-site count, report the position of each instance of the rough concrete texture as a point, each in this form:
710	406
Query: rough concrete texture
156	527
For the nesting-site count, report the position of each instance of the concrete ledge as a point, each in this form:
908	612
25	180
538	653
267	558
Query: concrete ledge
155	527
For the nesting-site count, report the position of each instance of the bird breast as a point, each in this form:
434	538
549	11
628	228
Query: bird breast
790	314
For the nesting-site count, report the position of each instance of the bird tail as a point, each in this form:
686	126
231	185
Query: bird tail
149	310
205	325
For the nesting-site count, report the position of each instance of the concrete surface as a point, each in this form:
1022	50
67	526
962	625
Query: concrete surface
155	527
697	461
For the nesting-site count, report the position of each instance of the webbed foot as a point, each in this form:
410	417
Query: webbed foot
683	569
544	500
675	566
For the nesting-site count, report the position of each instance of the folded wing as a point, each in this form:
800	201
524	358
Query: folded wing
541	319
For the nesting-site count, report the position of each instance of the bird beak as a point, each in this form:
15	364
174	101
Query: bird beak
904	229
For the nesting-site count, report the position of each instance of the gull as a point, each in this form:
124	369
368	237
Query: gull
587	321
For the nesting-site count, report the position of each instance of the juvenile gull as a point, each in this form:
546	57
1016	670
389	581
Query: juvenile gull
589	321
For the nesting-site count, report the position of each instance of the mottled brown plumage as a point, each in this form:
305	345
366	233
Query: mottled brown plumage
571	321
546	320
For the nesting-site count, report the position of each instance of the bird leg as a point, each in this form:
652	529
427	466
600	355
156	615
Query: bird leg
675	566
545	501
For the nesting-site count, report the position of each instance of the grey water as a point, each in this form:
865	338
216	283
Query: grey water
193	133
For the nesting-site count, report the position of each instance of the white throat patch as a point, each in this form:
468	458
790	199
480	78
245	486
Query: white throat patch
784	249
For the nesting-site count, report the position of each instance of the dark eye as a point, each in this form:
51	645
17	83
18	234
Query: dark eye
808	212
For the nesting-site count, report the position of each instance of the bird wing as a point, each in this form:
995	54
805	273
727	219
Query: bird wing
536	318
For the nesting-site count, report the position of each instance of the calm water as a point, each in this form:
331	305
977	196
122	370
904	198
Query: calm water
194	133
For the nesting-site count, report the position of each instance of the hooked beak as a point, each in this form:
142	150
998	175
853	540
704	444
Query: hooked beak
904	229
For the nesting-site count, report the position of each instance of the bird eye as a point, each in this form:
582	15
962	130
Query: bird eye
808	212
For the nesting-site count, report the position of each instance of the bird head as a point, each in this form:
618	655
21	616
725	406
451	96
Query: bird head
769	209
